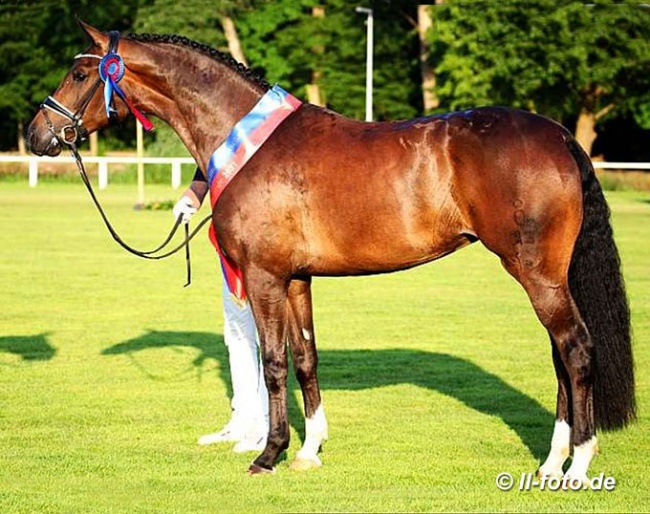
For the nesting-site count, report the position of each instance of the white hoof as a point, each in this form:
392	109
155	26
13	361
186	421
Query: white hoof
549	473
573	480
305	463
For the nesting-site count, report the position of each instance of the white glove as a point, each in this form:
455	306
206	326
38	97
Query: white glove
185	208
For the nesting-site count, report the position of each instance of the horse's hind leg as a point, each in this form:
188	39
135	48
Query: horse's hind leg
305	360
557	311
561	441
533	229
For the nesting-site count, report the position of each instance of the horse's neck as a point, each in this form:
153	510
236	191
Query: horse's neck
198	96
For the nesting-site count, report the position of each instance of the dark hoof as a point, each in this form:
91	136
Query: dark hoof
254	469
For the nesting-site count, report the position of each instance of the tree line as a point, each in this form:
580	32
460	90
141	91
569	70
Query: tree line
585	64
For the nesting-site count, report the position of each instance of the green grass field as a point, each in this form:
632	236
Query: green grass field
435	380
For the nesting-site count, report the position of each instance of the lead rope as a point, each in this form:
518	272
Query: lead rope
143	254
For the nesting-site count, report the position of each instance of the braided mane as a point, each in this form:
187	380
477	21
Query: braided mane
217	55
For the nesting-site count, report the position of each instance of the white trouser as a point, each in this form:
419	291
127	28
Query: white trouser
250	398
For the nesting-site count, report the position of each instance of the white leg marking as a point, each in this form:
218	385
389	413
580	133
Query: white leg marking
316	433
306	334
582	456
560	446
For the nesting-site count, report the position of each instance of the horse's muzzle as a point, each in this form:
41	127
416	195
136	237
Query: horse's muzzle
41	140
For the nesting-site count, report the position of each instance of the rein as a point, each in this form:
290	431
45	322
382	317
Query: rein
111	69
139	253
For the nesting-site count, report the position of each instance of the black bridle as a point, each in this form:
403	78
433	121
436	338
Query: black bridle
70	135
75	132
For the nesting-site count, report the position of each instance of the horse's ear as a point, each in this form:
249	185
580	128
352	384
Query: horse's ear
97	37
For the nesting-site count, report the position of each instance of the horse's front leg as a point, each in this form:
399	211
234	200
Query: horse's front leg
268	297
302	339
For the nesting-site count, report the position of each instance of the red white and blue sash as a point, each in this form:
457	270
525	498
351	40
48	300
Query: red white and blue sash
246	137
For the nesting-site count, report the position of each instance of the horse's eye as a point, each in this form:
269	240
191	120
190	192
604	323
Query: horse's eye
79	76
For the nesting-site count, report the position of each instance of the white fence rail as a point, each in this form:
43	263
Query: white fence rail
638	166
176	162
102	162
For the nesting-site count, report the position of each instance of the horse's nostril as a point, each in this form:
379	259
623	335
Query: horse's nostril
40	145
31	140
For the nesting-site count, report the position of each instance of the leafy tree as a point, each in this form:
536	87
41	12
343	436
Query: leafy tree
38	39
586	62
284	40
196	19
565	60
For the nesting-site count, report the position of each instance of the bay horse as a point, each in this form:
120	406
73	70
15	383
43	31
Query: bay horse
330	196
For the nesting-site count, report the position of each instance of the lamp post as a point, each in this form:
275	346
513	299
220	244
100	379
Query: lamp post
369	46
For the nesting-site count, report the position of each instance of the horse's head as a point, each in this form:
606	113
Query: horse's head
83	102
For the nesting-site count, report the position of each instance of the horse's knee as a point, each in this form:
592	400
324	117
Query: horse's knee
275	373
305	365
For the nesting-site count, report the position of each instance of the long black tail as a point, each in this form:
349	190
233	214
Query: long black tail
598	289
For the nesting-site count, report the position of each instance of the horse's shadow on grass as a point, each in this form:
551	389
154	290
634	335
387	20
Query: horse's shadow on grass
28	348
340	370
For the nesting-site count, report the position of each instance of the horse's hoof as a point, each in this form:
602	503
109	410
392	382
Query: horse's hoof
580	481
541	474
254	469
304	464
